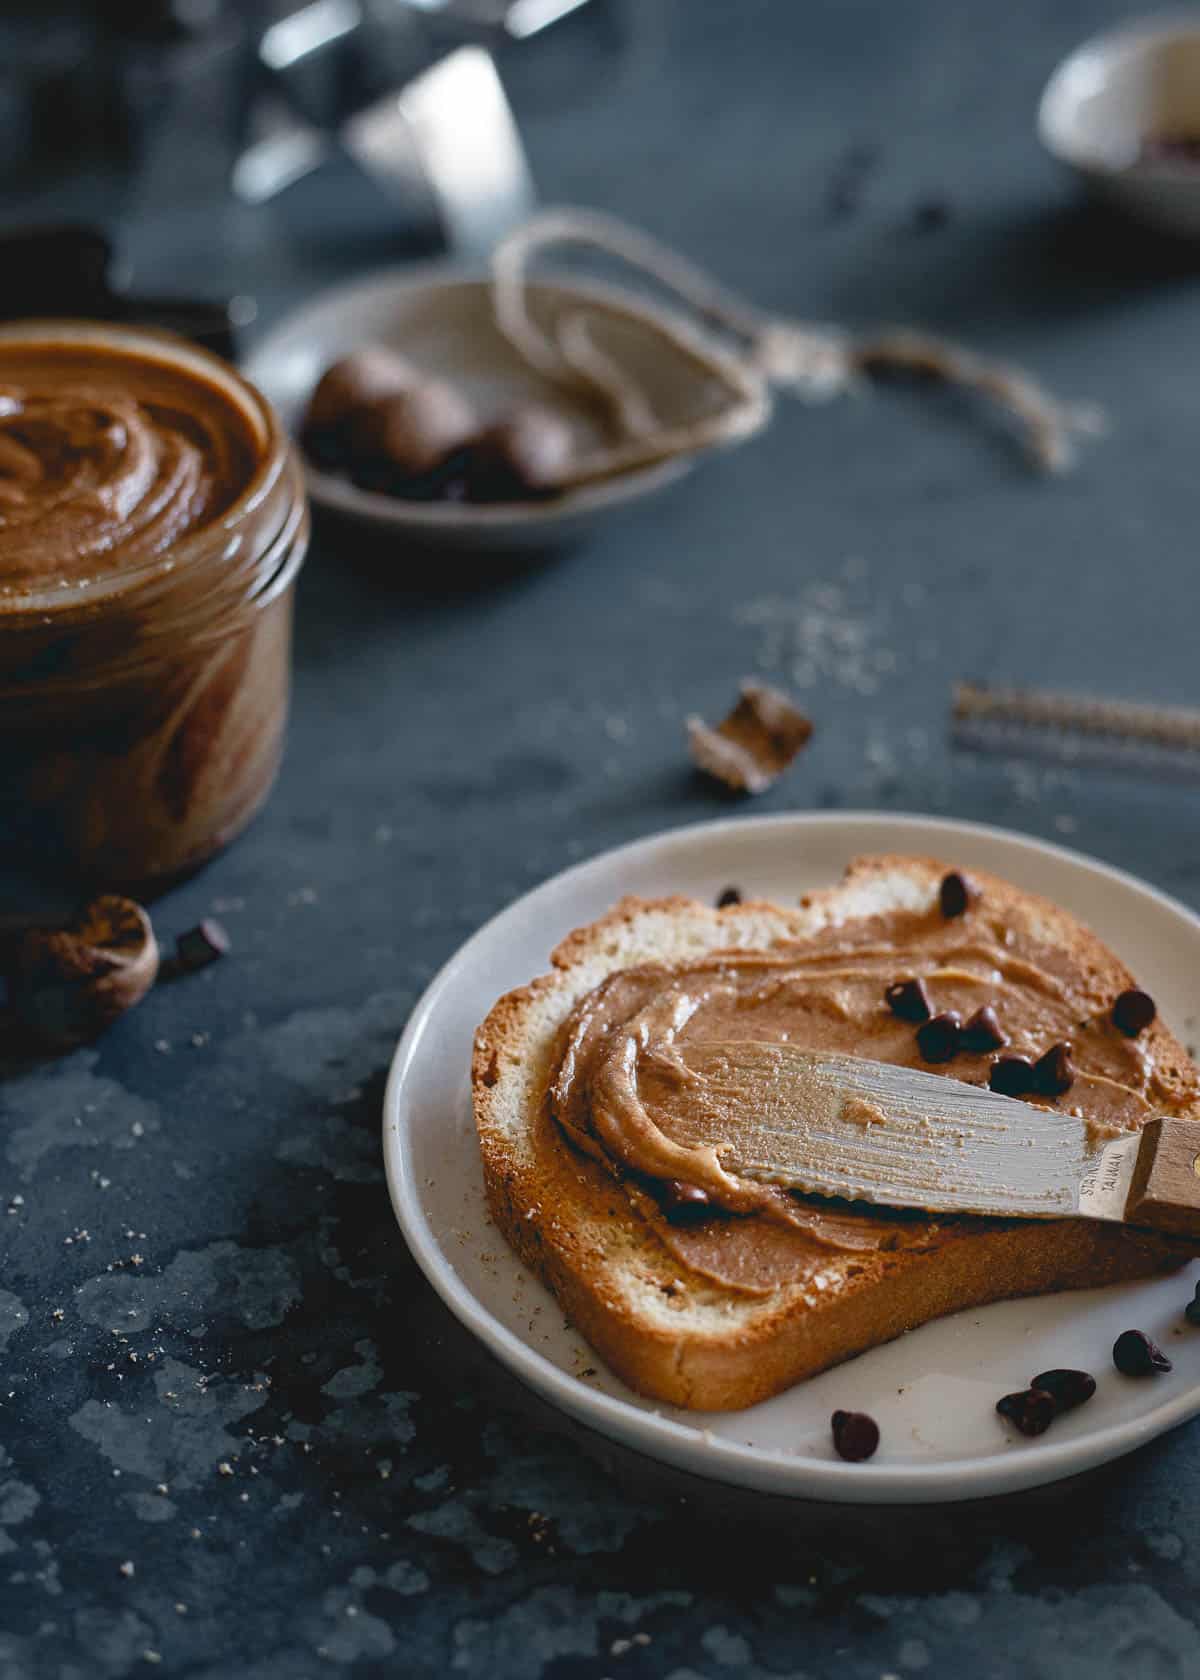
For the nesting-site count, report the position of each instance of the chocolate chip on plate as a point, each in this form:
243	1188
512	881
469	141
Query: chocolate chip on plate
1068	1388
1135	1355
1053	1073
1133	1012
909	1000
1192	1311
1031	1410
983	1032
939	1039
1011	1076
201	945
956	894
855	1435
729	896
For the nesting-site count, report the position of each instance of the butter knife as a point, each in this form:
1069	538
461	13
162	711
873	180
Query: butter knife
837	1125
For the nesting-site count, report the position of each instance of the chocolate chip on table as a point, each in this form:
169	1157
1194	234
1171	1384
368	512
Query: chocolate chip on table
206	943
983	1032
1031	1410
730	895
1068	1388
939	1038
1053	1073
1135	1355
909	1000
855	1435
1012	1076
956	894
1133	1012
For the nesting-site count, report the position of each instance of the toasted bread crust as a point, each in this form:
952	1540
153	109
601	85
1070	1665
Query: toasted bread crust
688	1342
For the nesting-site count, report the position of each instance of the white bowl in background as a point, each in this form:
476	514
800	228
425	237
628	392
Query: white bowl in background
1115	92
442	321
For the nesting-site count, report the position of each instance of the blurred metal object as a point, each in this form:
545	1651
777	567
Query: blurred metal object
516	18
455	126
430	128
282	150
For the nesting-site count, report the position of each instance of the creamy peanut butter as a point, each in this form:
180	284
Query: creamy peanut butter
107	459
623	1091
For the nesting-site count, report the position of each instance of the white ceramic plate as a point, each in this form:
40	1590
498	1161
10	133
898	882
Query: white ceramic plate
932	1391
442	321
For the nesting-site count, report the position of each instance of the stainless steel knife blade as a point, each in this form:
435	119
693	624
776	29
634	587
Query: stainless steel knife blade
838	1125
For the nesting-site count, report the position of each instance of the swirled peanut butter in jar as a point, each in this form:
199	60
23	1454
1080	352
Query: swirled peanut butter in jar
152	522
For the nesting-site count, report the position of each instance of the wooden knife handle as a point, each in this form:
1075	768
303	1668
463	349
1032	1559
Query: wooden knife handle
1165	1190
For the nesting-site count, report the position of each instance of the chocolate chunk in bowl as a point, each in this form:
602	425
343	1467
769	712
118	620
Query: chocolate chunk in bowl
152	523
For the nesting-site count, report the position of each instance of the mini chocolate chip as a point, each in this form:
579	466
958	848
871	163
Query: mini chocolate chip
1032	1410
983	1032
1135	1355
855	1435
1011	1076
956	894
909	1000
1069	1388
684	1203
201	945
731	895
1192	1311
1053	1073
1133	1012
938	1040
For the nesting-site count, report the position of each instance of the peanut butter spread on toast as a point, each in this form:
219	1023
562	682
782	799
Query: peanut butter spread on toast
621	1091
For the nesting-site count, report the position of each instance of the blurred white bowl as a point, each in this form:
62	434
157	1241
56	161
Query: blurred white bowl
443	322
1114	94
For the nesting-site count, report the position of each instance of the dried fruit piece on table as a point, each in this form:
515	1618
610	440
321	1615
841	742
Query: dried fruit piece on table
65	985
755	744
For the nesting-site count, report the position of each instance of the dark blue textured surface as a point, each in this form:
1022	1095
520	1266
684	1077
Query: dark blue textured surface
199	1265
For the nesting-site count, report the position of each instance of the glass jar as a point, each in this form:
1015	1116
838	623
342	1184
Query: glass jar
144	682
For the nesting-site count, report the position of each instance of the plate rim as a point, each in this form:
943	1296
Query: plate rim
613	1416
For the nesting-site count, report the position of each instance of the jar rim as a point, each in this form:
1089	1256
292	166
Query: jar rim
179	353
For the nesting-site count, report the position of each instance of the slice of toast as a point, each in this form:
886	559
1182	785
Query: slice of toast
681	1338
